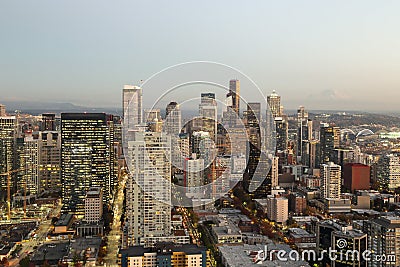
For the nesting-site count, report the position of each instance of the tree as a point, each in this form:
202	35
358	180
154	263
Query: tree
25	262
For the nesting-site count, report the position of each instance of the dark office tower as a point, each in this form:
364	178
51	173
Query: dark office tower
329	140
313	156
114	127
8	130
304	134
48	122
232	102
234	91
253	120
282	128
85	158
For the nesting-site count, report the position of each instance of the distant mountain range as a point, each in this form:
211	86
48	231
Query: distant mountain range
36	108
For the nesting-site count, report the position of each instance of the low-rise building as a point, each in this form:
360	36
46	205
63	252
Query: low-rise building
64	223
302	239
164	255
333	205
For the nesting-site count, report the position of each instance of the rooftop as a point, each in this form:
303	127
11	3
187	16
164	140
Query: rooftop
64	220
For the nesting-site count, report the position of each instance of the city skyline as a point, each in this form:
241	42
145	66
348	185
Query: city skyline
209	134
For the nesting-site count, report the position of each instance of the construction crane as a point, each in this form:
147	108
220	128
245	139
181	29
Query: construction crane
8	174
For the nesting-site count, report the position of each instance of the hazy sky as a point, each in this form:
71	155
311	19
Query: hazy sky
321	54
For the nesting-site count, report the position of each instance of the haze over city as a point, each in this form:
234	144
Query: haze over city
323	55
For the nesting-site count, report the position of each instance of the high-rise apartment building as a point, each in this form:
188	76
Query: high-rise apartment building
277	209
383	239
388	172
132	106
349	240
331	180
193	176
275	172
85	158
148	197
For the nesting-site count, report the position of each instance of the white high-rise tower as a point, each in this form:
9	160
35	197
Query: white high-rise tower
132	106
331	180
148	196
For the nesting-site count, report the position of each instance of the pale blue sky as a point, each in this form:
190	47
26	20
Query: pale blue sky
321	54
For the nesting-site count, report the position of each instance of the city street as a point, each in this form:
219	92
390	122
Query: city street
115	234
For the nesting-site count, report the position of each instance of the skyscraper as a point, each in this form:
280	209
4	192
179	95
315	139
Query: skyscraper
85	158
8	131
173	126
208	113
234	92
231	112
275	172
388	172
48	122
274	102
50	161
282	128
383	239
132	106
29	160
304	134
331	180
148	196
193	176
173	119
329	140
